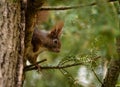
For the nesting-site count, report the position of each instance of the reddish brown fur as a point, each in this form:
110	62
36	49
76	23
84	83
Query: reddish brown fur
43	40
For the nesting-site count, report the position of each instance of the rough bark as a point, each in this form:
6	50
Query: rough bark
17	21
11	51
114	69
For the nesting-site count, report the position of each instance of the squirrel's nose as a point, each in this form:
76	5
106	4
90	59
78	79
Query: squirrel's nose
57	50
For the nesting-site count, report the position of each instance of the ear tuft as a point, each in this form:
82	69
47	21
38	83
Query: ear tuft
57	30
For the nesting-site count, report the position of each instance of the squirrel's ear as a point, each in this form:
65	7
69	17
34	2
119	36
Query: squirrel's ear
57	30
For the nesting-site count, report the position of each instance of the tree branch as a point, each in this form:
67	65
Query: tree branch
33	67
30	66
54	67
96	76
69	7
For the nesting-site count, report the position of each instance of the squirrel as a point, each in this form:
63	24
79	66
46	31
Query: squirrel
36	40
44	40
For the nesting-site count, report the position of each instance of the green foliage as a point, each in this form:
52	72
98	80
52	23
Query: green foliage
89	32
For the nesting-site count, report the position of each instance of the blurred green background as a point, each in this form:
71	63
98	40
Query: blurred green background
88	32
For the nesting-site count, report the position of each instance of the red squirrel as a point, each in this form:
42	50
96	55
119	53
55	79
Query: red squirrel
41	40
44	40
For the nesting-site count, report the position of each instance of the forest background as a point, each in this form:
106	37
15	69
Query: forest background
88	39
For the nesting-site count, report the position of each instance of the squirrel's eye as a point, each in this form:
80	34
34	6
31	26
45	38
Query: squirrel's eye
55	41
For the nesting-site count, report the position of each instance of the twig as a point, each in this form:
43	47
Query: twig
30	66
54	67
69	7
96	76
95	58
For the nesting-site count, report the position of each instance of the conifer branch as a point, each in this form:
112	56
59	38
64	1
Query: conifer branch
53	67
32	67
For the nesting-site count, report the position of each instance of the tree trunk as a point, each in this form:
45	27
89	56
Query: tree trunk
11	44
114	68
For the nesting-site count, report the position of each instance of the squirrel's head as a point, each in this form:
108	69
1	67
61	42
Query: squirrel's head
54	38
50	41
